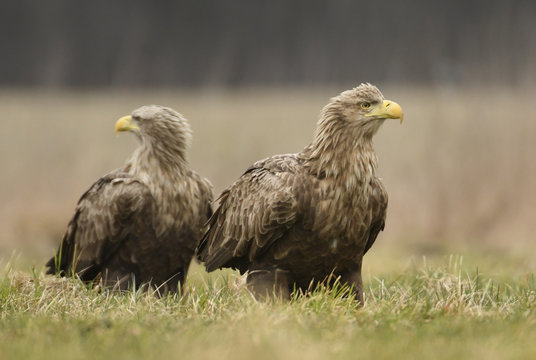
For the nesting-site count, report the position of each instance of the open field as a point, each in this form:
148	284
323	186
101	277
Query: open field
461	180
442	310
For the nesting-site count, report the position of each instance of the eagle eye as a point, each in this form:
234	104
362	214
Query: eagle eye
365	105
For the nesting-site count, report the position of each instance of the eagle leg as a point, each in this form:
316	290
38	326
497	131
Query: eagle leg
355	282
173	285
268	284
118	280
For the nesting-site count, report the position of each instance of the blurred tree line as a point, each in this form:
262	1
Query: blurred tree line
72	43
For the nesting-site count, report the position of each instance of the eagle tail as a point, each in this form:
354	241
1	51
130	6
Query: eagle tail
51	265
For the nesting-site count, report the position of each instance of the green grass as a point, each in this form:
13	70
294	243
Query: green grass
438	311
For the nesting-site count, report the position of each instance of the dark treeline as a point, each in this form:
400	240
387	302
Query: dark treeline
245	42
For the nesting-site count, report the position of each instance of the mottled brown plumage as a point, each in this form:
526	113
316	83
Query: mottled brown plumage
140	224
294	220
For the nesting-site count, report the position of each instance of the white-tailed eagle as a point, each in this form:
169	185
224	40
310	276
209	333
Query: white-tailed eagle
292	221
142	223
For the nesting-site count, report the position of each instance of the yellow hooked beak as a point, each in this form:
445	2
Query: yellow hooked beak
125	124
387	110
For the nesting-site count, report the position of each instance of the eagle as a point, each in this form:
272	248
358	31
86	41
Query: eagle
140	225
294	221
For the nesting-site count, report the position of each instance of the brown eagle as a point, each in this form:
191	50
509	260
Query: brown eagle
142	223
294	220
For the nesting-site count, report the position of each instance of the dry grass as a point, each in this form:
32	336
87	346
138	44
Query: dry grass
441	311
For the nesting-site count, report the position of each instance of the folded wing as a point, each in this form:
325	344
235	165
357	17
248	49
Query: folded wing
256	211
115	208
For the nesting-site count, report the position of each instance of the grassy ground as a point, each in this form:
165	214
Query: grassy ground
438	309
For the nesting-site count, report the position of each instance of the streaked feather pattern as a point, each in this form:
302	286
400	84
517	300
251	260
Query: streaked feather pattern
294	220
140	224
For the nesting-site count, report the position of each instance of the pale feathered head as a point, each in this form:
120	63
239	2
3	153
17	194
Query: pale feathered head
345	129
160	127
362	108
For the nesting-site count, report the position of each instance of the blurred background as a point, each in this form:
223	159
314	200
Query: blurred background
252	76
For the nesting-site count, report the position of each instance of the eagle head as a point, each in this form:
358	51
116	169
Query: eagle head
363	108
156	124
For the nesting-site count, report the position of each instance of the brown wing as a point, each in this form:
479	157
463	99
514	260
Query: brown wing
378	202
115	207
253	213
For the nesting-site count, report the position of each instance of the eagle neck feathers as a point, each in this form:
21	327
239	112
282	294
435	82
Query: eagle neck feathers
165	171
342	151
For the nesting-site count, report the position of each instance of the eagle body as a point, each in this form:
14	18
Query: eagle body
295	220
312	216
140	224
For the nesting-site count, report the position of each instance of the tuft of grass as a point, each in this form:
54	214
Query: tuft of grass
435	311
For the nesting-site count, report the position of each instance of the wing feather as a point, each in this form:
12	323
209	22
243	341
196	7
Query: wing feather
253	213
378	202
105	216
